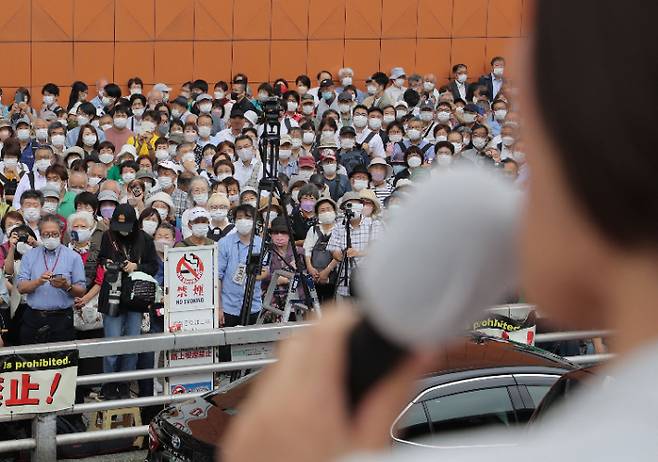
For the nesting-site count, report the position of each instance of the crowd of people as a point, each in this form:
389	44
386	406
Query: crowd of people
112	179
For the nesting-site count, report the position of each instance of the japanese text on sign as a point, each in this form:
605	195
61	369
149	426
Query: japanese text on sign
34	383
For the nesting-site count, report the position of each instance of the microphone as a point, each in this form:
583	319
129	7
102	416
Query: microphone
447	255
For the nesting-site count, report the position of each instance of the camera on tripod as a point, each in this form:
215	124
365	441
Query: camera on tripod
348	212
271	110
113	271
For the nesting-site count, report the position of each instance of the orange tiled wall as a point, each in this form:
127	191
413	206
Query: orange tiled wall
177	40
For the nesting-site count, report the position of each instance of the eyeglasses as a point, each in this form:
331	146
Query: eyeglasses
50	235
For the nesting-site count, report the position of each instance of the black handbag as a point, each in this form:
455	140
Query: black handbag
137	295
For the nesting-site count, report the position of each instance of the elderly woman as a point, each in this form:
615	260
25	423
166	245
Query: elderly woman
197	197
218	207
161	201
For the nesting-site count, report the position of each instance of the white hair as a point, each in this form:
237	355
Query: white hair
344	70
84	215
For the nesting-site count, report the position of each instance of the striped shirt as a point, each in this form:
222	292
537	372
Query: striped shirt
383	191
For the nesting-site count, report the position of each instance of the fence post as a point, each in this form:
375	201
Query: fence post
44	430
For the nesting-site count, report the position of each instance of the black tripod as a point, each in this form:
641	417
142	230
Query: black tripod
346	262
257	258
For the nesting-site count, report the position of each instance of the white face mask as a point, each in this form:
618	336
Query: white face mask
374	123
162	154
176	113
218	214
400	113
190	137
414	161
23	247
162	244
51	243
388	118
245	154
461	78
500	114
347	143
396	138
357	209
205	108
11	162
344	108
441	138
83	234
358	185
200	229
326	218
428	86
307	109
413	134
499	71
58	140
149	227
444	160
165	181
346	81
106	158
292	106
32	213
426	116
42	165
219	94
296	143
54	185
458	147
508	140
360	121
329	169
399	83
41	133
443	116
120	122
308	137
200	199
244	225
48	99
138	112
89	140
468	117
23	134
94	180
49	207
162	212
479	142
83	120
204	132
372	89
127	177
285	154
222	176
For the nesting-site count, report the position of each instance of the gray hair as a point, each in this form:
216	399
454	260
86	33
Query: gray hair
50	218
345	70
82	215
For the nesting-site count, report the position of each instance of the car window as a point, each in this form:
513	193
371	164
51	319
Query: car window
471	409
412	425
537	392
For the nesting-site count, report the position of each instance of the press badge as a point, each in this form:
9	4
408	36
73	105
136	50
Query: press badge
240	274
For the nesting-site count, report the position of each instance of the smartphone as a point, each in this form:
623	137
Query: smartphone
20	97
74	236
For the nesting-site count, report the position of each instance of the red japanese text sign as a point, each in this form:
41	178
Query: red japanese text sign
36	383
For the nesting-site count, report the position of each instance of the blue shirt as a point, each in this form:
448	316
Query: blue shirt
159	276
72	137
27	156
232	253
62	260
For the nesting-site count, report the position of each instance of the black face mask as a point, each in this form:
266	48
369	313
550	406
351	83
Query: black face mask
234	95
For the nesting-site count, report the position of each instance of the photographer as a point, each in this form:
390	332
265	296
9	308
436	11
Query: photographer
51	276
124	249
363	230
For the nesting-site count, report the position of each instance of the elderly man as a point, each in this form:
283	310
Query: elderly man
429	90
346	78
98	100
51	276
154	98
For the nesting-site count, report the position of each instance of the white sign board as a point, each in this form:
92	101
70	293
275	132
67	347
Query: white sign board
36	383
191	297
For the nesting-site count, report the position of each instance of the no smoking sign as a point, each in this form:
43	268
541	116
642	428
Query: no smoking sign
189	268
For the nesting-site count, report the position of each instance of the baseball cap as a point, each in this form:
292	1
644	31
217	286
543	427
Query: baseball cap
285	139
169	165
198	212
347	130
108	195
427	104
327	154
308	97
474	108
74	150
326	83
397	72
50	192
161	87
240	79
128	148
180	100
306	161
123	218
203	96
345	96
5	123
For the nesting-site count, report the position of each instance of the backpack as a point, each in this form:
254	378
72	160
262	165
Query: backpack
320	256
351	159
11	185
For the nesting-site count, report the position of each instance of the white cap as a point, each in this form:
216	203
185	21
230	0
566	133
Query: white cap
128	148
170	165
251	116
397	72
198	212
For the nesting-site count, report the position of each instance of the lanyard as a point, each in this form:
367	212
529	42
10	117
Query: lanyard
52	270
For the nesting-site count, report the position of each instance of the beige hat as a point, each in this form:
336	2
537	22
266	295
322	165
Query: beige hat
370	195
380	161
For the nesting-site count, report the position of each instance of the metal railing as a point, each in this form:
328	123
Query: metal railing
44	425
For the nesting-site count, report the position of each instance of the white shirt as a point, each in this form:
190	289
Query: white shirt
243	173
224	135
395	93
376	144
612	419
24	185
461	88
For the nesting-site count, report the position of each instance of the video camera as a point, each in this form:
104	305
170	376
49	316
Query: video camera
113	272
272	108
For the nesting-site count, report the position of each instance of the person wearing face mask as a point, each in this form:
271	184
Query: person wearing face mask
471	115
507	144
459	85
87	140
413	158
414	134
198	197
236	124
366	139
320	262
249	196
281	258
287	163
397	88
37	178
363	230
444	155
426	116
303	214
198	228
337	182
233	250
497	117
372	207
137	109
52	276
359	178
27	147
248	169
380	174
345	103
145	138
218	207
494	80
11	171
328	98
167	183
10	220
376	86
85	114
429	92
51	198
479	142
124	244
